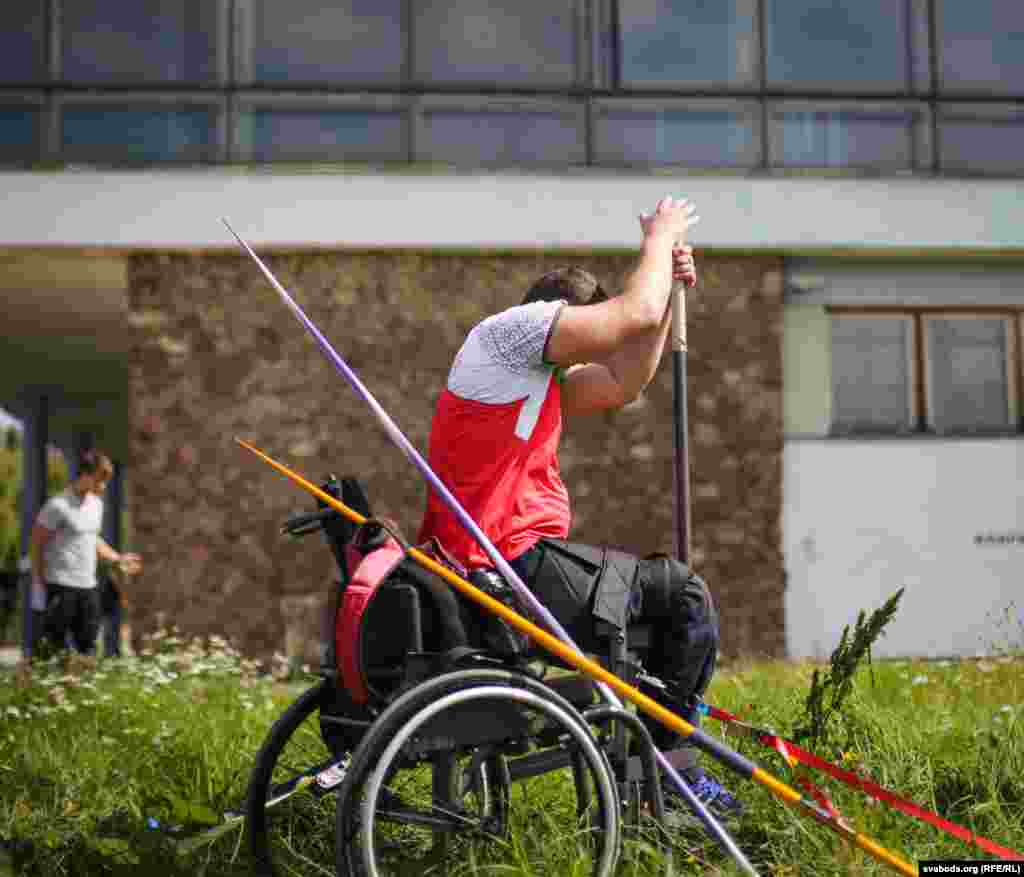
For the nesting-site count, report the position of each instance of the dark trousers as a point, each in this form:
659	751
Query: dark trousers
110	607
72	617
670	658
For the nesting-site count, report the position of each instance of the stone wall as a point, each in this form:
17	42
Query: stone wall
215	355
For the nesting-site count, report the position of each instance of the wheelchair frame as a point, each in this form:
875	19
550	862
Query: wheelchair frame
460	703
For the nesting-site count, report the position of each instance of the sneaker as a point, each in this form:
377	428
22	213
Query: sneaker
719	801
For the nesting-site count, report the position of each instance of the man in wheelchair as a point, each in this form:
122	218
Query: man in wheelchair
571	349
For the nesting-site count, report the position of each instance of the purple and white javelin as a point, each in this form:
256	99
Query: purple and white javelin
509	574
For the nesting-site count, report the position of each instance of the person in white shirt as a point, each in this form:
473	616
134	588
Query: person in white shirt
66	545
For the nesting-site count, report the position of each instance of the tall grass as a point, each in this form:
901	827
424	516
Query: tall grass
90	753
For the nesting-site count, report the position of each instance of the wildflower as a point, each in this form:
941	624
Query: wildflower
919	680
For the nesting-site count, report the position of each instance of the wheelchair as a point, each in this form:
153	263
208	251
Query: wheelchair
422	749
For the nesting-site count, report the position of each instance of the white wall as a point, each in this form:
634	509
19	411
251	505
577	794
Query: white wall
863	518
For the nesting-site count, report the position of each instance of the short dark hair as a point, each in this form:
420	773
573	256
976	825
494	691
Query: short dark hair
93	461
573	284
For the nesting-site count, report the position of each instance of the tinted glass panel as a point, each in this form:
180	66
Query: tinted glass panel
968	384
105	134
22	58
981	44
982	145
504	41
870	375
855	43
19	133
500	138
327	135
667	41
313	41
844	139
685	137
139	40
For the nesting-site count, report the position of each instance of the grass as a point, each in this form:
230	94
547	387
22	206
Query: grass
89	753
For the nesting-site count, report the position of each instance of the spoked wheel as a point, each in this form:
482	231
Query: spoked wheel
473	770
290	805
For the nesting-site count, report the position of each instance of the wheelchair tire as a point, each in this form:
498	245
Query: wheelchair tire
289	806
462	773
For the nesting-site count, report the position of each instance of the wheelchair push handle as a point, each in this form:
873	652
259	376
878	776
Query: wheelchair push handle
304	523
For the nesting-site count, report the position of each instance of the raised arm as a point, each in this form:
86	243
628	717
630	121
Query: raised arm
595	332
599	386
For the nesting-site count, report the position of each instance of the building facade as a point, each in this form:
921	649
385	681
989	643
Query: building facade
855	344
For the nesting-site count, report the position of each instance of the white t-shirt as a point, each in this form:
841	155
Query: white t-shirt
70	556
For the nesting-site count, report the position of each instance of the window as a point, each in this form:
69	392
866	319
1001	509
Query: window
140	41
980	46
134	130
20	126
872	389
313	41
710	135
874	45
949	372
981	140
322	131
503	41
969	375
22	41
670	42
865	136
531	134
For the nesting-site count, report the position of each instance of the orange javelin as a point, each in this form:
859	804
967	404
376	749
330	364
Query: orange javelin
731	759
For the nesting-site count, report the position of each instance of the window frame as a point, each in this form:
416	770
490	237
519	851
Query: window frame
145	100
913	372
36	100
918	58
921	369
750	108
255	101
922	150
468	104
582	75
981	113
1011	365
751	83
223	41
943	90
243	64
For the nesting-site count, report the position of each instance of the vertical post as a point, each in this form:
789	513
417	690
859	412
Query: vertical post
680	424
33	495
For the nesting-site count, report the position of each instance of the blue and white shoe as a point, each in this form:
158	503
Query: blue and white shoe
719	801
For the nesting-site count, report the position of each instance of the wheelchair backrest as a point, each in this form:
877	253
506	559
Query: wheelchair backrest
389	608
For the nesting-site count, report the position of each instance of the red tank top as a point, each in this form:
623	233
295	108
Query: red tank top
494	439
